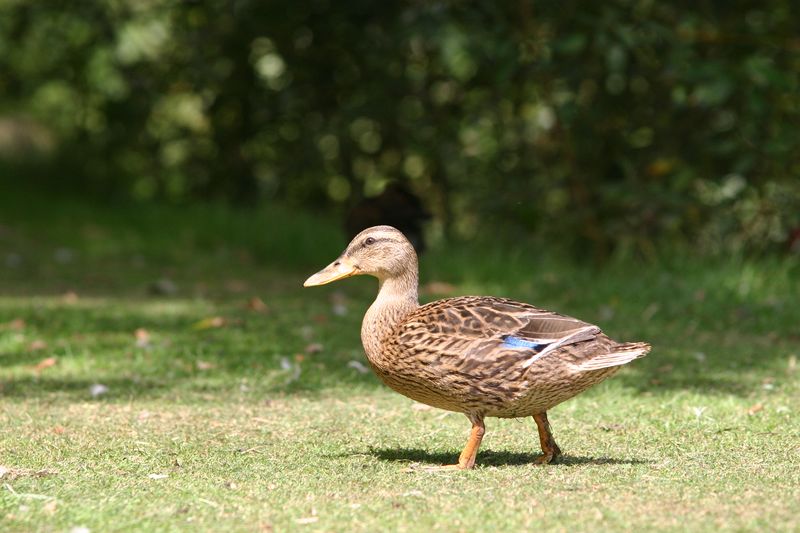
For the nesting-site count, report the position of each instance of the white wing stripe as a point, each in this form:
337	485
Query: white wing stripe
578	335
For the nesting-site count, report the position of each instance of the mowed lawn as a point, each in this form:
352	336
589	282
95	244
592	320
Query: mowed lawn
163	369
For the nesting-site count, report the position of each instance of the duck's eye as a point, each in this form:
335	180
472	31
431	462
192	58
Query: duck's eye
369	241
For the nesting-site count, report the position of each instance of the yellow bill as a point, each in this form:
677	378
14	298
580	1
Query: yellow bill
339	269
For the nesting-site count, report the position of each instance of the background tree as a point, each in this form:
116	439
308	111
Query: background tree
619	124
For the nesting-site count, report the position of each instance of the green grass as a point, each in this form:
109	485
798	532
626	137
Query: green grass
262	423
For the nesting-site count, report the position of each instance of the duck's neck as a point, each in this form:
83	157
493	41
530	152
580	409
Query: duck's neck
397	297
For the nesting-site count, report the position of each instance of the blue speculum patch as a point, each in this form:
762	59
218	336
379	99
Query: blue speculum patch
509	341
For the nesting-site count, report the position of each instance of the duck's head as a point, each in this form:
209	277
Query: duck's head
380	251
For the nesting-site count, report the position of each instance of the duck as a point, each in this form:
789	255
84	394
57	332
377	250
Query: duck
482	356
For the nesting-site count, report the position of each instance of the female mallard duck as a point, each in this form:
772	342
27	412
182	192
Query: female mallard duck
477	355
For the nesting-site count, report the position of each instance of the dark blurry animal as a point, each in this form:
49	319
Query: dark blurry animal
396	206
793	242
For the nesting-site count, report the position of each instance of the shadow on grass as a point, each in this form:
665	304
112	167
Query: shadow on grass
81	389
718	326
187	387
262	346
491	458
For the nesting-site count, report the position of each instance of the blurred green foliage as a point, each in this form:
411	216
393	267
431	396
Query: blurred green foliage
603	126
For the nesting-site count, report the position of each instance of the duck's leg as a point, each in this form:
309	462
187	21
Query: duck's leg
550	449
467	458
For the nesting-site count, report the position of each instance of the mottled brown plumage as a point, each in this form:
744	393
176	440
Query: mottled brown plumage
477	355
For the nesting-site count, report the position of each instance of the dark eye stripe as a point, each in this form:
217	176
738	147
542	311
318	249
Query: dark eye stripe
369	241
373	240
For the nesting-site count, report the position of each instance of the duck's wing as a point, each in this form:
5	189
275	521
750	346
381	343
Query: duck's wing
479	334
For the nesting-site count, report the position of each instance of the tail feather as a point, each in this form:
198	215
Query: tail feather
623	353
